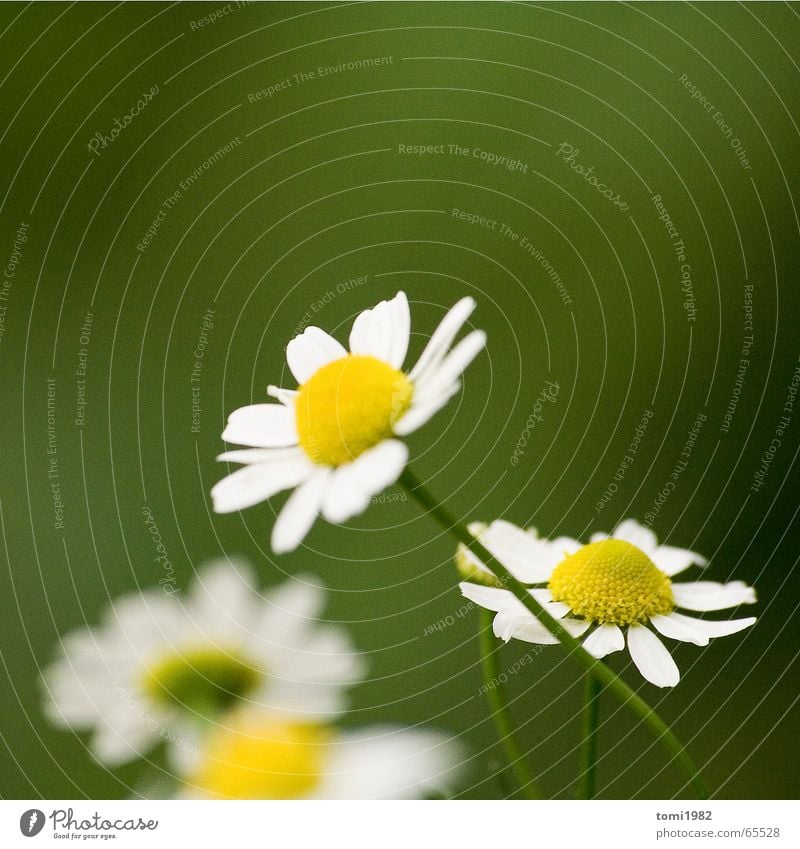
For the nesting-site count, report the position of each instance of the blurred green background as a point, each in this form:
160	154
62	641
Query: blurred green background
319	189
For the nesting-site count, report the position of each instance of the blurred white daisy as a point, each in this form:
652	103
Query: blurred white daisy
250	755
334	437
158	663
609	590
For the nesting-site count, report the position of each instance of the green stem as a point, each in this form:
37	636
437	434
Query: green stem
591	709
495	694
599	670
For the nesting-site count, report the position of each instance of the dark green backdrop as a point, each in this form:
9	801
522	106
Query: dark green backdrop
695	105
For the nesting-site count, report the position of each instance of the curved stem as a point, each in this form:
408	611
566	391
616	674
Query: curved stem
599	670
495	694
591	709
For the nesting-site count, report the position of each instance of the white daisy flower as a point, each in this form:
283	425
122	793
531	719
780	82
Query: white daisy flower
609	591
334	437
250	755
158	661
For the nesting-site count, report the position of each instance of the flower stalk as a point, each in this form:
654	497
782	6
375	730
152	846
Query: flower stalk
591	711
599	671
495	695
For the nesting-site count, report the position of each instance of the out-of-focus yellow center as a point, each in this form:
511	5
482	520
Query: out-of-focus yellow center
204	680
612	582
348	406
254	758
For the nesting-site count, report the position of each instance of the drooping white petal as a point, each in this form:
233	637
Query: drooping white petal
527	558
651	657
421	413
509	624
671	560
442	338
255	483
383	762
285	396
299	512
311	350
353	484
605	639
262	426
710	595
492	598
497	599
438	380
688	629
631	531
383	331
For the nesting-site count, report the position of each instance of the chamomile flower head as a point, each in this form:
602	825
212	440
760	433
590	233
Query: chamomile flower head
253	755
157	663
618	589
334	438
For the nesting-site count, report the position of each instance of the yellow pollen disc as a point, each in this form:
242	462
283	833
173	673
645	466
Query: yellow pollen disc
612	582
253	758
348	406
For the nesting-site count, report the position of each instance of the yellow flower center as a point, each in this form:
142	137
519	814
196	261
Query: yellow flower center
205	680
348	406
612	582
254	758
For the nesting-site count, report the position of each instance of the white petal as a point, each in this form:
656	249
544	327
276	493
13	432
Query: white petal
420	413
598	537
401	329
605	639
299	701
383	331
253	484
560	548
248	456
291	610
492	598
262	426
353	484
671	560
299	512
631	531
688	629
443	337
709	595
527	558
439	380
508	624
132	732
326	656
389	763
223	600
311	350
673	627
285	396
651	657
